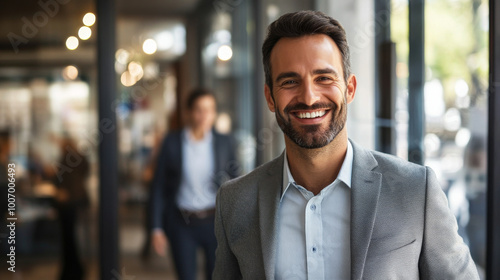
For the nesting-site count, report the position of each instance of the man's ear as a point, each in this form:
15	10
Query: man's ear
269	98
351	88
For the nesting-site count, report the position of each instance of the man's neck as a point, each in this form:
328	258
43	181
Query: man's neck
314	169
197	134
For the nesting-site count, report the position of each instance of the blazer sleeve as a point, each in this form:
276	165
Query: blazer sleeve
157	193
226	264
444	254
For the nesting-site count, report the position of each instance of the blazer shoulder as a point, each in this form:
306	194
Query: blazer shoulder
223	138
174	135
392	164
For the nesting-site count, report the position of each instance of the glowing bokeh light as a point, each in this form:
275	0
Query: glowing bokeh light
224	53
72	43
89	19
84	32
122	56
127	79
135	69
149	46
70	73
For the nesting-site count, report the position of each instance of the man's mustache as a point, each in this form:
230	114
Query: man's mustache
305	107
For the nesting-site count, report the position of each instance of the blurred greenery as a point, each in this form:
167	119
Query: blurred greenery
456	44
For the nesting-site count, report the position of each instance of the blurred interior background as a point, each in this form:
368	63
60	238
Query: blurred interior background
164	48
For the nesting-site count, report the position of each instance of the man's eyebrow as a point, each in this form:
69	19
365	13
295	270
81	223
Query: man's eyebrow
326	71
287	75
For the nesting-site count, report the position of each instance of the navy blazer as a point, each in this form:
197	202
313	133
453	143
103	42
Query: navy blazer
168	174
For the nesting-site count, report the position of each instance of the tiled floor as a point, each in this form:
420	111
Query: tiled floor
132	266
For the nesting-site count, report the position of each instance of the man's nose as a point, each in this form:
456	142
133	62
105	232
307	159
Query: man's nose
309	95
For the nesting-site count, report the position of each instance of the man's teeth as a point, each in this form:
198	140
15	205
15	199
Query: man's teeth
315	114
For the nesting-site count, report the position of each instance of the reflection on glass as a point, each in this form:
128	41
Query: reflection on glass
456	56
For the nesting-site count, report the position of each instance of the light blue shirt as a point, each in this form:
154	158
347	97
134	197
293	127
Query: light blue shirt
197	190
314	230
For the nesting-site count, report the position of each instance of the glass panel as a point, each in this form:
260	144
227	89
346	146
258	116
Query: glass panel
209	48
47	125
456	58
146	65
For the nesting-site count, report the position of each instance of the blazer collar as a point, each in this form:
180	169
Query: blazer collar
365	192
269	188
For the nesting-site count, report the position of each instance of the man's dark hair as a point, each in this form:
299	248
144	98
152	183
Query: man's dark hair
196	94
298	24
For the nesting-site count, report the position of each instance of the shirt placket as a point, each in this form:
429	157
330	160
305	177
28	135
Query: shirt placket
314	238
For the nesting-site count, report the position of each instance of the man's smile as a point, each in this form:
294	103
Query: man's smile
310	116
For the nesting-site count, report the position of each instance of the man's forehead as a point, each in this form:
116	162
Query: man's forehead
313	39
318	47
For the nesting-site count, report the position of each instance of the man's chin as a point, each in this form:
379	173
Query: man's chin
314	140
313	146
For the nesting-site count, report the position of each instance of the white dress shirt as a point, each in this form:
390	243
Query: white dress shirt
314	230
197	190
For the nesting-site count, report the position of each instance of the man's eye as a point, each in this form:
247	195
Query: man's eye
322	79
289	83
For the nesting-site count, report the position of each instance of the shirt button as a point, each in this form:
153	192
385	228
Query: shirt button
313	207
314	249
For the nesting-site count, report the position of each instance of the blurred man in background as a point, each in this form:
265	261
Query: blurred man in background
192	164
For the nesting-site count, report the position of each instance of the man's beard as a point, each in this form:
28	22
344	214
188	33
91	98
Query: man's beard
313	136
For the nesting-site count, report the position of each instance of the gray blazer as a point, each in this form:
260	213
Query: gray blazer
401	226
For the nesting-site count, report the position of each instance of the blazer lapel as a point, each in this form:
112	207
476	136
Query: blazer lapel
269	201
365	193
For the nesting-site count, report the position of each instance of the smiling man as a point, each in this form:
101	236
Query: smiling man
328	208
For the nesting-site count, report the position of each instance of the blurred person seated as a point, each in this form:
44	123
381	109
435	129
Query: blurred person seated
191	166
71	173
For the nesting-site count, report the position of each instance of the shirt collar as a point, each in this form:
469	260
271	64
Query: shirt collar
345	172
187	136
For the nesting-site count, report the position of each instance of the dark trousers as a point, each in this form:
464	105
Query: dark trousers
186	235
72	268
